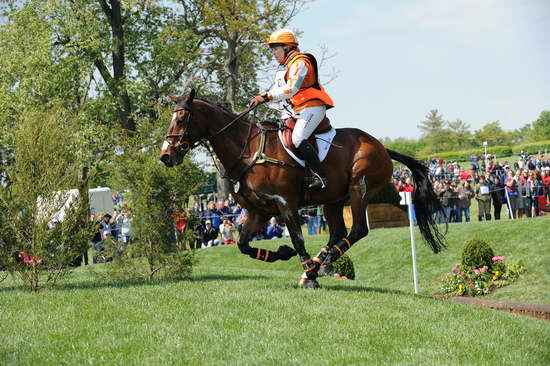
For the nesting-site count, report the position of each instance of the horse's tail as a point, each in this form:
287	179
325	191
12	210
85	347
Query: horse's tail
426	203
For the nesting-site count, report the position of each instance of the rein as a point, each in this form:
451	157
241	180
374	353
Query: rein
258	157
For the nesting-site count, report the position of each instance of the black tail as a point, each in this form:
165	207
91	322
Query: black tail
426	203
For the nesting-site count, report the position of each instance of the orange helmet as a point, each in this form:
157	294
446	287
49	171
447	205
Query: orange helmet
282	36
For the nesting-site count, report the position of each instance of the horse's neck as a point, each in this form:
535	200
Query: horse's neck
229	144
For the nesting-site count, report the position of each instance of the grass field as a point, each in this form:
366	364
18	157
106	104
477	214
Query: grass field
238	311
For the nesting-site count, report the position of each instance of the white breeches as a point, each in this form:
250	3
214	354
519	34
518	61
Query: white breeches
309	119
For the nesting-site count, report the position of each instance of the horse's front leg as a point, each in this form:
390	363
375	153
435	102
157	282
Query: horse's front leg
254	224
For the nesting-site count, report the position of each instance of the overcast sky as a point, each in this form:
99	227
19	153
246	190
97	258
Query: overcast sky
477	60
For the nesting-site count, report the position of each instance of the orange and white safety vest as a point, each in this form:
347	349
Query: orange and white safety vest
297	81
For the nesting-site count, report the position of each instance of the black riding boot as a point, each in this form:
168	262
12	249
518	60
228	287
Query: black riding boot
312	162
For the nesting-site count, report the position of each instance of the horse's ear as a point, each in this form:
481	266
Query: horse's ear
191	96
174	99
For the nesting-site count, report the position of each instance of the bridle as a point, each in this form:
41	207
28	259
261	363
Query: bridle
187	134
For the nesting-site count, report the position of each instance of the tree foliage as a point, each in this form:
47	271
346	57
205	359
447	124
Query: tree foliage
42	231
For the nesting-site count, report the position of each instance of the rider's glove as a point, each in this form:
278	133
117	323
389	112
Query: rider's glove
260	99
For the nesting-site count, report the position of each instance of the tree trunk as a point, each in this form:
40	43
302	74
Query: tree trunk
118	83
232	69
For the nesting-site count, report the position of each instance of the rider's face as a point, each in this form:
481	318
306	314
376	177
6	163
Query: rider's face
279	53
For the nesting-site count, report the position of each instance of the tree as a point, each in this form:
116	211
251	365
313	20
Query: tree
433	131
493	134
540	129
403	145
231	32
460	134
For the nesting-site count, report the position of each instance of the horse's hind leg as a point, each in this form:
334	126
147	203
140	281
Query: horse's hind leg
292	220
359	229
337	229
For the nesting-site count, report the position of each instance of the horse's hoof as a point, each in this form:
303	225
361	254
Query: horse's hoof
325	269
307	283
285	252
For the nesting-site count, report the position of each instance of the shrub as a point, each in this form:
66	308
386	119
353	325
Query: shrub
44	227
464	155
344	267
476	254
532	148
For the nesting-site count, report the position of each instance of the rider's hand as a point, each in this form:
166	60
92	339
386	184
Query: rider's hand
260	99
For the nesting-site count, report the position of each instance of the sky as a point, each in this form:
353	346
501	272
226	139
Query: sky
475	60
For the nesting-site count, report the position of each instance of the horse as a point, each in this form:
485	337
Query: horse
267	182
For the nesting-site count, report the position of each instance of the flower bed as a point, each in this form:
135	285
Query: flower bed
480	281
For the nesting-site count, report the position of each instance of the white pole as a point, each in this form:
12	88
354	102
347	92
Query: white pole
367	217
510	213
413	241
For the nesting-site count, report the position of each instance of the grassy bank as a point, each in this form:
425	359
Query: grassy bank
238	311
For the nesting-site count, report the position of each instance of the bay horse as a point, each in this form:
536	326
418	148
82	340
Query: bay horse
267	181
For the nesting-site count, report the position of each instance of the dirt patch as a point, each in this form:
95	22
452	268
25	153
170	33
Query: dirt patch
541	311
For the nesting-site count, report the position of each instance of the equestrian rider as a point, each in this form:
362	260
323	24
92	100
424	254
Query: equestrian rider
297	86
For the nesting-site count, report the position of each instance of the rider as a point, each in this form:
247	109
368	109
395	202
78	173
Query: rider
297	84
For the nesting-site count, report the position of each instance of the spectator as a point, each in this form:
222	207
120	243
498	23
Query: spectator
465	195
464	175
213	214
446	195
241	219
227	230
274	231
209	235
405	185
312	222
125	226
512	193
523	196
106	224
534	189
545	177
498	197
483	197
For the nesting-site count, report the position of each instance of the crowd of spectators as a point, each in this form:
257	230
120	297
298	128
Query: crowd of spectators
522	187
219	222
110	233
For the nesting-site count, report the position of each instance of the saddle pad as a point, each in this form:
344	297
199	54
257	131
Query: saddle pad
323	143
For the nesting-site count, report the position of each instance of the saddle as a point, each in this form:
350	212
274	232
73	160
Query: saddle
288	127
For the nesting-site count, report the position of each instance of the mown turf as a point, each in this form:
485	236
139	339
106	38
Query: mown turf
239	311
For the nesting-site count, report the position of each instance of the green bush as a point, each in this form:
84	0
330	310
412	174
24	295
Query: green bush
532	148
476	254
464	155
344	267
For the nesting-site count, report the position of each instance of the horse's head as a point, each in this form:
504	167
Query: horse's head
181	136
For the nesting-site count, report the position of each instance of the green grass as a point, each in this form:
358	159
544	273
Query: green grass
239	311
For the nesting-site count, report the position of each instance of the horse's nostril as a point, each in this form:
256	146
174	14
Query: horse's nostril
165	158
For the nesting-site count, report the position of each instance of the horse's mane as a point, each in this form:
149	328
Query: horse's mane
217	104
230	112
